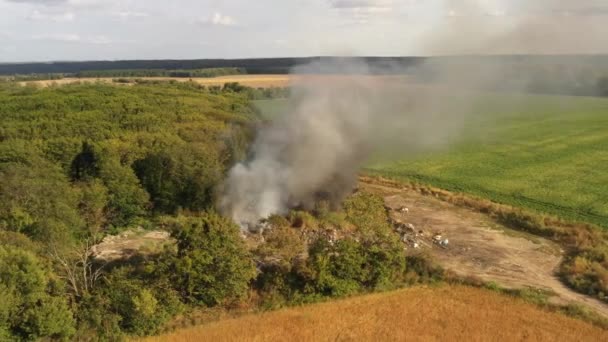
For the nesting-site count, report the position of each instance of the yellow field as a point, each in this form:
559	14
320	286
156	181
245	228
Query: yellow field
447	313
256	81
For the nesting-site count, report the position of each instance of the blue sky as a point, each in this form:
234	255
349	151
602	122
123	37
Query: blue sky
44	30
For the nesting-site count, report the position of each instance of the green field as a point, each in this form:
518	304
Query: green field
546	153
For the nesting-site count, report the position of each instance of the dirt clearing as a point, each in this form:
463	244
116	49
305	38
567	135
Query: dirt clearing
480	247
130	243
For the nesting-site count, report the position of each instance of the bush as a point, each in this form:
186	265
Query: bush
143	304
29	310
212	264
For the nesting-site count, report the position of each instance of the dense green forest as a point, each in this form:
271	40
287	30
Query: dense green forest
79	162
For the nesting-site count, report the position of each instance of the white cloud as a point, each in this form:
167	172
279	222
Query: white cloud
74	38
58	37
361	11
102	40
38	2
59	17
67	3
219	19
130	14
361	4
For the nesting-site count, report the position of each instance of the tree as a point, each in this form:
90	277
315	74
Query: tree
143	303
212	264
78	269
29	310
39	202
181	176
85	164
92	206
126	199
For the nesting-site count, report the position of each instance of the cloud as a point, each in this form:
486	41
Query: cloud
58	37
73	38
219	19
130	14
523	8
59	17
361	4
39	2
69	3
360	11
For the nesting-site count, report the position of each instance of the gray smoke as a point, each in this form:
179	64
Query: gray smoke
317	146
336	122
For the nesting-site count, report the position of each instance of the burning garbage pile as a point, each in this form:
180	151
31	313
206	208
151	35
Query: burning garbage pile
409	235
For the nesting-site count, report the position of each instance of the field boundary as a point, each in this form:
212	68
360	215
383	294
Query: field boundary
540	207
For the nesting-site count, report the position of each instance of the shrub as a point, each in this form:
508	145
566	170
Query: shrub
29	310
212	264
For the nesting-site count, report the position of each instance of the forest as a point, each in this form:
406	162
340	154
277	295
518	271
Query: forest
82	161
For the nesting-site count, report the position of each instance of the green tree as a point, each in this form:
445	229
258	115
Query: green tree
39	202
127	200
29	310
143	303
85	164
94	199
212	264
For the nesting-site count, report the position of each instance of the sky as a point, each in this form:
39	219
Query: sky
51	30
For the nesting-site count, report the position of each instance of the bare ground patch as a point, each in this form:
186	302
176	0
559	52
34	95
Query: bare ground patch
480	247
131	243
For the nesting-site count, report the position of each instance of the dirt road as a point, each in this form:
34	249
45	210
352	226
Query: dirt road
480	247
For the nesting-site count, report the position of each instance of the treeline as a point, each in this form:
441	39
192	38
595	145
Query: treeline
210	72
253	66
557	75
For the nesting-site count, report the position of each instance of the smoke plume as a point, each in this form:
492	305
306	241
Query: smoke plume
334	123
337	120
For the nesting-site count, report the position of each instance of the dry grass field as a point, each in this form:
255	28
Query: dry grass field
256	81
446	313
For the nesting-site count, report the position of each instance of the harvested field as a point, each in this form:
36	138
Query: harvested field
454	313
256	81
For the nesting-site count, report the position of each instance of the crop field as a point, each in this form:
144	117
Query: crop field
444	313
255	81
545	153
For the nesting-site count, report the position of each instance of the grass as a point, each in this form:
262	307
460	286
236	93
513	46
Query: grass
544	153
445	312
271	108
